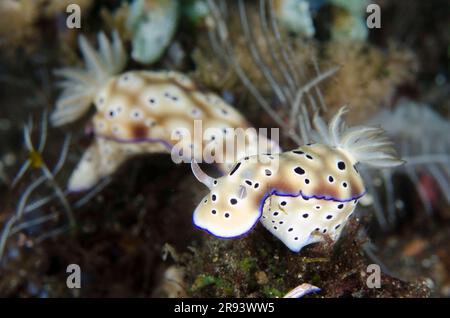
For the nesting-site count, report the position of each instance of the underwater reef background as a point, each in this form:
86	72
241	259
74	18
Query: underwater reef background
132	235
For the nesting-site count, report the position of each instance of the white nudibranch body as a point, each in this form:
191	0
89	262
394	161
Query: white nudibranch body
300	196
144	112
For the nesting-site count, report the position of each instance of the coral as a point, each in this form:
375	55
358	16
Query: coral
262	37
367	78
223	268
277	70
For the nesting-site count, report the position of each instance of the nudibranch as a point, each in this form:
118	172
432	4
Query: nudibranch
301	196
144	112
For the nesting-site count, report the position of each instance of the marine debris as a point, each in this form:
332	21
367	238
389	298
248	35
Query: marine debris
302	290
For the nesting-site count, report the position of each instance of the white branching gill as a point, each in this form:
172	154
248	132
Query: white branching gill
367	145
80	85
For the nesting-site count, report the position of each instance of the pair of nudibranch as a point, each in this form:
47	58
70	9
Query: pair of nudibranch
300	196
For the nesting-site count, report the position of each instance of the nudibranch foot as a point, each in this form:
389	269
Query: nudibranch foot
299	221
103	158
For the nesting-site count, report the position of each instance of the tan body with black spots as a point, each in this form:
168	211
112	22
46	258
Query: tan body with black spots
300	196
146	112
150	112
144	104
324	175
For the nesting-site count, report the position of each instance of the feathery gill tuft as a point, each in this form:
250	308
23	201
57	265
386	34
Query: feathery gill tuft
367	145
80	85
